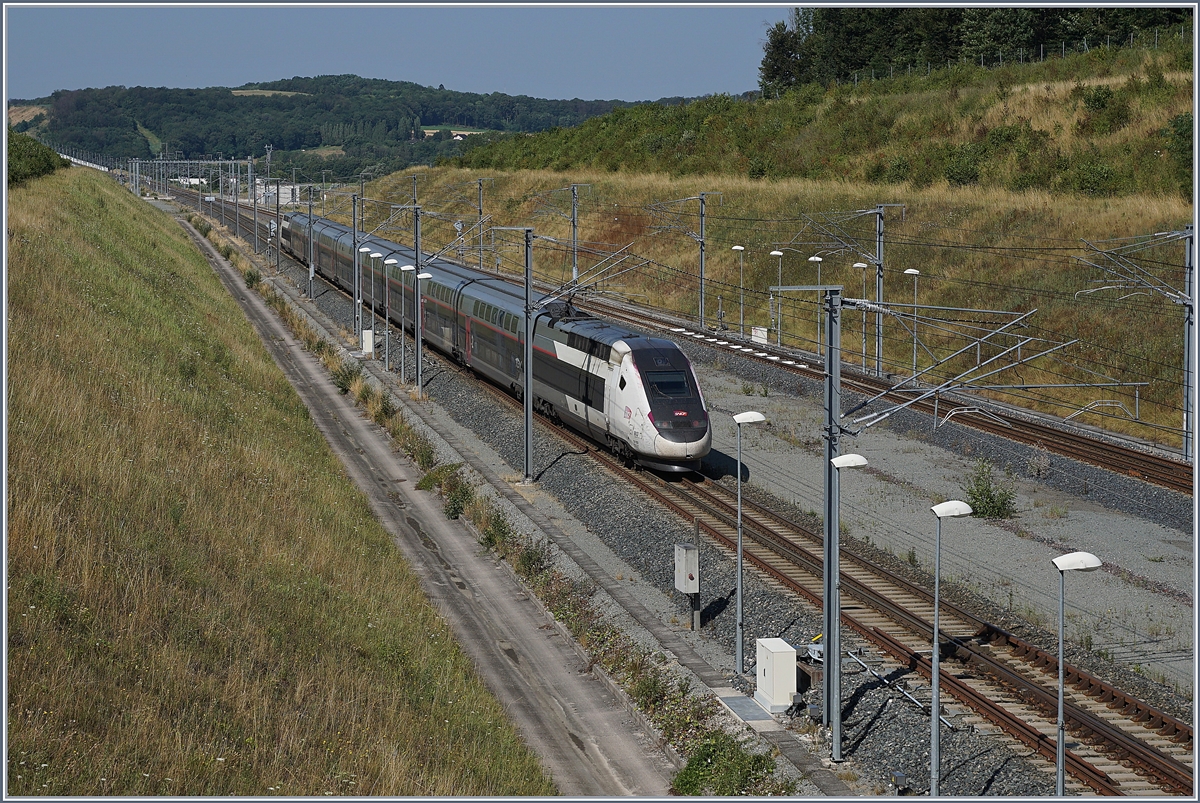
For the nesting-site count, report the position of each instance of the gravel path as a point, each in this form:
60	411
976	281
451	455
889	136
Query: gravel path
1136	615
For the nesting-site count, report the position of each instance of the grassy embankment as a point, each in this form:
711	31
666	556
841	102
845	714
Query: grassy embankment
200	603
981	245
718	763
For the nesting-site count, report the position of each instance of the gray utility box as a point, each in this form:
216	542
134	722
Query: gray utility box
687	569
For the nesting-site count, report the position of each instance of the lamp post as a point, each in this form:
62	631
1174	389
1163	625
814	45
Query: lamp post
1073	561
741	289
387	312
817	260
403	320
833	638
913	272
374	256
418	311
779	306
748	417
952	509
863	266
362	252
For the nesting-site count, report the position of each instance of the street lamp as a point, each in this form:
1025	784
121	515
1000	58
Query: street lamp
418	310
833	634
779	306
748	417
1073	561
403	320
953	509
741	289
374	256
913	272
387	312
863	266
358	293
817	260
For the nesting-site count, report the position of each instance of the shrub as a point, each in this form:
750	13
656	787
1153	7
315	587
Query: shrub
345	374
29	159
963	166
253	277
721	767
533	560
989	499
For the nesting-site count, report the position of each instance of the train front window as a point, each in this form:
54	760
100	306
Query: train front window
668	385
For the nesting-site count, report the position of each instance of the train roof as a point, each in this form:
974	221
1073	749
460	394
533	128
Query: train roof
560	315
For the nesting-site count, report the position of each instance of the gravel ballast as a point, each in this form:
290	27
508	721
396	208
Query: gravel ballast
1131	622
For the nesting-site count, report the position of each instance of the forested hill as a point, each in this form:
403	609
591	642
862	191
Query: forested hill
823	45
357	120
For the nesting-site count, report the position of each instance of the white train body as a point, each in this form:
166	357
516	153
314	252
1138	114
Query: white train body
636	393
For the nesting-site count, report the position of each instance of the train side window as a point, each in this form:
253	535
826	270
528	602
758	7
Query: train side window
621	384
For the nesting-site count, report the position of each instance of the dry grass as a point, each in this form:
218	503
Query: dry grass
975	247
199	603
19	114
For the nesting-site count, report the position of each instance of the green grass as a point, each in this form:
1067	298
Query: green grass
199	602
1101	124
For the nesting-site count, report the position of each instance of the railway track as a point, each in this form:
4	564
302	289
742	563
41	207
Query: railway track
1008	682
1020	426
1126	746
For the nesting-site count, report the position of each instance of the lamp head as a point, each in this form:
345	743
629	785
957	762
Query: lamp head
815	259
912	272
739	248
1077	561
375	255
424	275
953	509
749	417
390	261
861	265
848	461
407	268
776	253
364	250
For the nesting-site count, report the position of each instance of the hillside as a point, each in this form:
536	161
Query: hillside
975	247
373	121
1106	123
200	602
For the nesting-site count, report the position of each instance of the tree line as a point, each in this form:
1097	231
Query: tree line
369	120
826	45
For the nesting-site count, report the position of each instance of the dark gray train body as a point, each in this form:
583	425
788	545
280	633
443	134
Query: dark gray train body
636	393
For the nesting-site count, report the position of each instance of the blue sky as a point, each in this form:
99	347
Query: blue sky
628	52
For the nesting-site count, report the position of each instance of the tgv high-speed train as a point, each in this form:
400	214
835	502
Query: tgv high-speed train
636	393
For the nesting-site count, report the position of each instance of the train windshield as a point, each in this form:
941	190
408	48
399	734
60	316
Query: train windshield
668	385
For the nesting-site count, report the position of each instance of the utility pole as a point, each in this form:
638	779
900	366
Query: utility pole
1189	349
833	431
253	199
702	197
237	176
278	228
879	286
527	395
311	268
269	149
354	249
480	226
575	235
